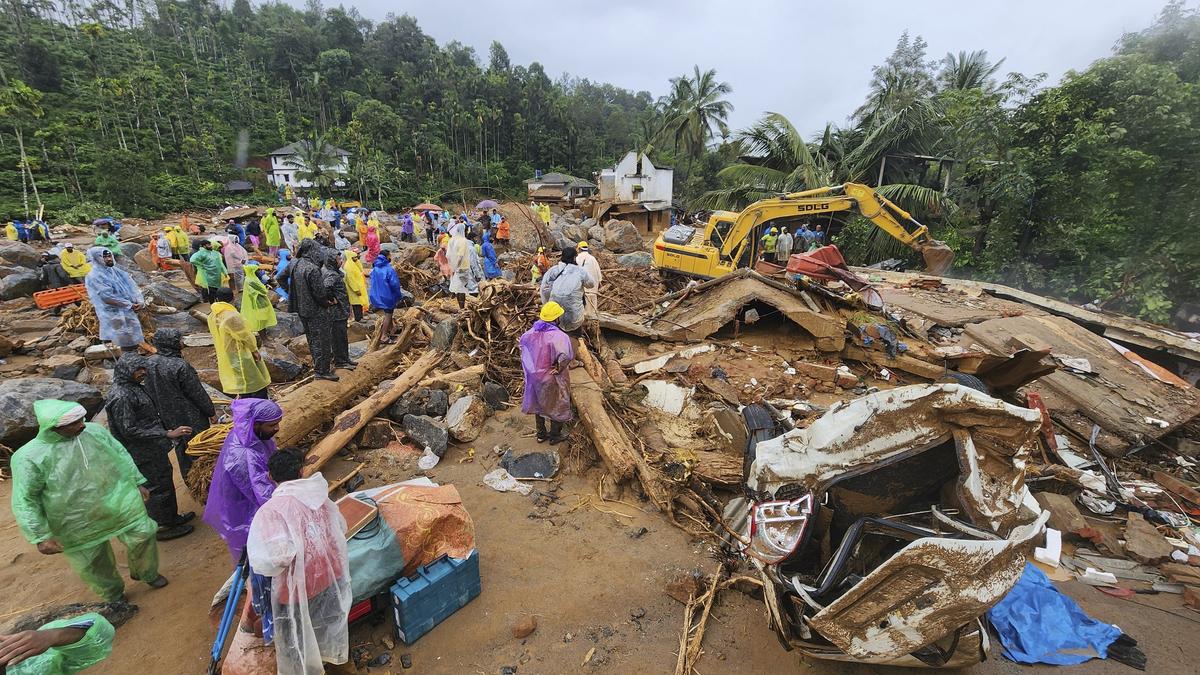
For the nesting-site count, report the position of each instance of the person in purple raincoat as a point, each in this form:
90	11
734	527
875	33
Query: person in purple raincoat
545	354
240	482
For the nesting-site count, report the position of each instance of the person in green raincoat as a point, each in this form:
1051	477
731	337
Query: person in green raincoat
108	240
272	233
61	647
75	488
256	308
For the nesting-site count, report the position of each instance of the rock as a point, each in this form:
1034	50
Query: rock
494	394
524	627
1191	596
198	340
1143	543
595	231
466	417
7	346
685	585
80	343
166	293
588	223
575	233
508	275
62	366
377	433
299	347
101	352
288	325
144	260
19	285
358	349
16	254
210	377
622	236
1064	516
17	421
422	401
426	432
573	214
130	249
5	270
525	239
282	364
438	403
182	321
360	330
443	334
639	259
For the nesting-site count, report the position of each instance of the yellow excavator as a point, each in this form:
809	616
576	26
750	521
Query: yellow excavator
733	240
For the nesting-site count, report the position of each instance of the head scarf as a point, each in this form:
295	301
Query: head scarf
311	251
114	277
168	341
246	413
72	415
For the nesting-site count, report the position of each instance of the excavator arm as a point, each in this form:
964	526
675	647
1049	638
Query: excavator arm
886	215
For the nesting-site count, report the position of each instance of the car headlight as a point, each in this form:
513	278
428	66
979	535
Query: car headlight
777	527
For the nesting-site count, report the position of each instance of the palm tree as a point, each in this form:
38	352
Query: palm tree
968	70
696	112
316	161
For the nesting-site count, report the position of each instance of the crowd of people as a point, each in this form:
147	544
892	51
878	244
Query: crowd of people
78	485
778	243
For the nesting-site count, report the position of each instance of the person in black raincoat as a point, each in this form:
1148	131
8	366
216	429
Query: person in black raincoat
134	421
339	311
310	299
178	393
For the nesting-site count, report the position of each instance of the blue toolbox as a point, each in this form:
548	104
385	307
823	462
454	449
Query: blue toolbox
436	591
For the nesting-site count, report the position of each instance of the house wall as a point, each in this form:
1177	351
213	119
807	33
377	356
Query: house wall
284	168
617	183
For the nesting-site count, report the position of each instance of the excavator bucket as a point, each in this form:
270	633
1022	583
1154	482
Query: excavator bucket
938	257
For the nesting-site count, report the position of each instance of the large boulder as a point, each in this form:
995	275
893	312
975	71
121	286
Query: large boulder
144	260
573	214
21	284
427	432
422	401
287	326
17	421
282	364
622	236
595	232
62	366
130	249
575	233
182	321
167	293
6	270
443	334
525	239
494	394
16	254
639	259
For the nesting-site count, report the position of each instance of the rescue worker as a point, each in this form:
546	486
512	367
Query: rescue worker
371	243
339	309
271	232
291	233
503	231
309	299
74	262
385	294
241	368
458	256
178	392
108	240
183	243
769	240
257	310
491	266
10	232
546	354
210	270
134	421
783	247
564	284
240	483
588	262
298	539
60	647
235	256
74	488
162	245
116	299
356	283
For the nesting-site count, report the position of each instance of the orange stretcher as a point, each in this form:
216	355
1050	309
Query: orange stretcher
57	297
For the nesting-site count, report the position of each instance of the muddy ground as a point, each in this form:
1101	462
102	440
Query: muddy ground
584	575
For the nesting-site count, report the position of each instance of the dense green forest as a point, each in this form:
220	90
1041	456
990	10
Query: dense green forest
1083	188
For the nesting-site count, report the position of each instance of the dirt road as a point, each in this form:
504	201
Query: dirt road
587	577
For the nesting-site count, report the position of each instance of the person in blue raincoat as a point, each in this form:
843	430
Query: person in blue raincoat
281	276
116	299
384	293
491	267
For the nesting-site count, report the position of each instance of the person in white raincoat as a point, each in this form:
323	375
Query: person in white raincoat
462	272
298	538
588	262
116	299
565	283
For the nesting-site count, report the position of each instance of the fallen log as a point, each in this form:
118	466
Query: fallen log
470	377
309	406
350	422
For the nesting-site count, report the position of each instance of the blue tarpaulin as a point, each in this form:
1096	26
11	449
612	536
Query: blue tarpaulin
1038	624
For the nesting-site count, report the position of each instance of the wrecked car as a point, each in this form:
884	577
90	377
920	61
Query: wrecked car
887	528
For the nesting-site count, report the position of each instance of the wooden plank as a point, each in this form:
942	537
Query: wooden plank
903	363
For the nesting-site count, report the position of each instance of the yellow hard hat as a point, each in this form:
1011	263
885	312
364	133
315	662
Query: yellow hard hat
551	311
582	246
773	230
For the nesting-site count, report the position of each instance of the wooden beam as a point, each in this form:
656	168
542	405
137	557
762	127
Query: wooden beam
907	364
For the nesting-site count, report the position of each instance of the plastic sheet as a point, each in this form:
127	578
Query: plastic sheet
1038	624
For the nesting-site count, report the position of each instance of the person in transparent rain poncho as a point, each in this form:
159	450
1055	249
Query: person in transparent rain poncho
116	299
298	540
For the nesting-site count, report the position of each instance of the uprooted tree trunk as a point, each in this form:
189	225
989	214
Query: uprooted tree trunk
353	420
309	406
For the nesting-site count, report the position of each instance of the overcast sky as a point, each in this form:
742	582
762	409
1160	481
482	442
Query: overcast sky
809	60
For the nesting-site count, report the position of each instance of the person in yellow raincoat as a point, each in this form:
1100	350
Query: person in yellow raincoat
10	231
356	283
257	311
360	226
241	368
183	243
74	262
